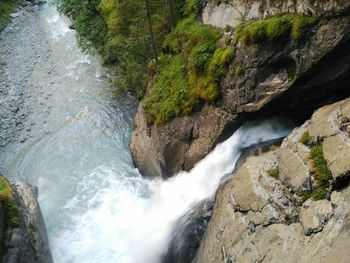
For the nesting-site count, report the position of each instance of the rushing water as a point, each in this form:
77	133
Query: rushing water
96	205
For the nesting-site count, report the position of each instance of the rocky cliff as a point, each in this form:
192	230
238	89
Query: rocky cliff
22	229
291	204
291	76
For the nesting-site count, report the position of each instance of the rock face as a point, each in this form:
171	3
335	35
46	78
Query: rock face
24	241
258	217
233	12
272	78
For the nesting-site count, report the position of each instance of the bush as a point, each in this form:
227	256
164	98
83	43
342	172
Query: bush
272	29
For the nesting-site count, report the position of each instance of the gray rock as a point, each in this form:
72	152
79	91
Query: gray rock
28	242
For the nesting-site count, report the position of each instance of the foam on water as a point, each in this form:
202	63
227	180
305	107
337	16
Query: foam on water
130	219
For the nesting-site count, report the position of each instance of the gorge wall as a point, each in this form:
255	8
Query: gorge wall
273	210
22	229
290	77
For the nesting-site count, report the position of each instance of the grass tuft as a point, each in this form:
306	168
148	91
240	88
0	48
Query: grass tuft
305	138
274	172
321	174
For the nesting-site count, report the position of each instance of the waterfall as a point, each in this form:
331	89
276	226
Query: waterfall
132	220
96	205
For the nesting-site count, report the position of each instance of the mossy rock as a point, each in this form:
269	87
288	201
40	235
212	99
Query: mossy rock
275	28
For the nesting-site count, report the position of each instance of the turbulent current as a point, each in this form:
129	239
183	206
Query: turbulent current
72	142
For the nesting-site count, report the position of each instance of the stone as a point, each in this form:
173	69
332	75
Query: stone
314	215
28	242
294	171
336	151
257	218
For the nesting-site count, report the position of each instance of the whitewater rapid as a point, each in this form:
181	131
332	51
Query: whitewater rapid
96	205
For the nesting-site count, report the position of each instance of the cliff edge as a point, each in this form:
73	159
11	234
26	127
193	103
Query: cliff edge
22	229
277	72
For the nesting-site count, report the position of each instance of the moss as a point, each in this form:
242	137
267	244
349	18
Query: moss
5	190
322	175
6	8
32	231
12	215
305	138
188	73
274	172
170	95
275	28
191	7
11	209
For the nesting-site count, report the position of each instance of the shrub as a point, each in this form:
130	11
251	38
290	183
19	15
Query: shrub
272	29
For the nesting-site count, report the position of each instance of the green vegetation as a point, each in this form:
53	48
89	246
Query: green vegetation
275	28
188	72
321	174
120	33
12	215
182	65
11	209
6	8
274	172
32	231
305	138
5	190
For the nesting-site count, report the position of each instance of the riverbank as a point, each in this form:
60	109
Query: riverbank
23	46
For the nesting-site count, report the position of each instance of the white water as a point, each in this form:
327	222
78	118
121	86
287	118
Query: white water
131	220
96	205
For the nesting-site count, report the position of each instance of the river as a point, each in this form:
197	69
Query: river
63	131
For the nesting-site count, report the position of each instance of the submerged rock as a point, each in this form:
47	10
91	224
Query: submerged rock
268	212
